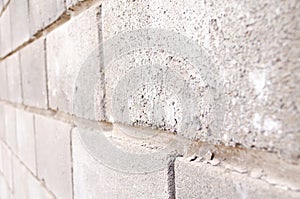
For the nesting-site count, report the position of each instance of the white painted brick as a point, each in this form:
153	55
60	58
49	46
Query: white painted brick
68	50
70	3
27	186
26	139
92	179
2	123
32	60
10	127
7	166
200	180
54	155
43	13
3	80
19	22
5	34
14	78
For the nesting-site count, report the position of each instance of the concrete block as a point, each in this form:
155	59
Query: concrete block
1	159
14	78
93	179
11	128
19	22
32	60
3	81
4	190
73	64
42	13
201	180
5	34
7	166
221	60
2	123
26	139
54	155
27	186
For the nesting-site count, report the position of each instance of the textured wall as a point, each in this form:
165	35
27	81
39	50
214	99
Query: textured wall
149	99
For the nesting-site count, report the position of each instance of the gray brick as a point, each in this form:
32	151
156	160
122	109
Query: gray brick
200	180
10	127
70	51
26	139
92	178
32	60
43	13
5	34
19	22
54	155
3	80
14	78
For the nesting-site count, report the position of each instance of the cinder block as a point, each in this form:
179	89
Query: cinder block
32	60
4	190
11	128
2	123
3	81
1	159
14	78
5	34
54	155
27	186
73	64
19	19
201	180
7	166
26	139
206	70
92	178
42	13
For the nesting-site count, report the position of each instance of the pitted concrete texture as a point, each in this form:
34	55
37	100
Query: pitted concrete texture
200	180
246	86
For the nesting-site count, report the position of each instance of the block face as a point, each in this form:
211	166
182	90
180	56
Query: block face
11	128
5	34
27	186
200	180
26	139
42	13
14	78
7	166
4	190
2	123
236	85
32	60
70	51
54	155
92	178
19	22
3	80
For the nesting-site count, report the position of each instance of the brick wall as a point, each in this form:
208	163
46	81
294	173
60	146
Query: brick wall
149	99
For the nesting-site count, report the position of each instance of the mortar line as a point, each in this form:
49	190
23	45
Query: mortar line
46	72
4	8
72	164
15	156
62	19
171	178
